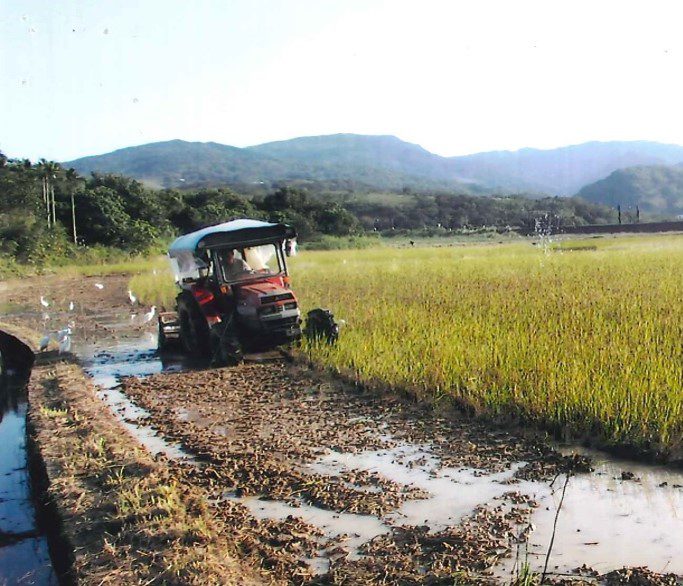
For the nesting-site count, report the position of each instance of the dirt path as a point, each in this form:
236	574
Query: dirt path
322	481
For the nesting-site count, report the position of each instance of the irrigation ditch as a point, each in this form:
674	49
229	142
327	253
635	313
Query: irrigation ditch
274	472
28	543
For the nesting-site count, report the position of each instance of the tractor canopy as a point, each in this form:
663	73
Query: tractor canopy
189	253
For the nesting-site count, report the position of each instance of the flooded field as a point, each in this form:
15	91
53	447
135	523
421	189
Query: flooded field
622	514
335	484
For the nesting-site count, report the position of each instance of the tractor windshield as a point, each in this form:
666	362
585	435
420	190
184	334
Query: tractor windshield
240	264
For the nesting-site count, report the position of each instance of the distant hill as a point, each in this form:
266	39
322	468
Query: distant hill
655	189
382	162
176	163
379	162
561	171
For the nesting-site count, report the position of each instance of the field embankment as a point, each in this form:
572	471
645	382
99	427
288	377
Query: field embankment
127	518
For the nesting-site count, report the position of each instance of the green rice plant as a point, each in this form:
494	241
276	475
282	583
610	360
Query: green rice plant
584	344
155	288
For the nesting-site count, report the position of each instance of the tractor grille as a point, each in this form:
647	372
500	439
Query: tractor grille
285	321
274	298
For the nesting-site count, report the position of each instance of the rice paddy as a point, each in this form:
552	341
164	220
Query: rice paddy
585	341
581	337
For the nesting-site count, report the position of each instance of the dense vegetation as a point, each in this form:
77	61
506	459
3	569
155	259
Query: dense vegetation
587	343
655	189
378	163
47	213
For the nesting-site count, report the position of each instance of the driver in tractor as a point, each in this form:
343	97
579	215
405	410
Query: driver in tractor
235	267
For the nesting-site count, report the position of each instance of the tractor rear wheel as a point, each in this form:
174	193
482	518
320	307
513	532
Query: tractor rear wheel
162	342
194	331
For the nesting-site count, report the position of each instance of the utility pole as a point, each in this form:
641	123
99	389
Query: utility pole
54	207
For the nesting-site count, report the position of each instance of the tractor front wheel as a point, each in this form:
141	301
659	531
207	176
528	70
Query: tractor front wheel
225	345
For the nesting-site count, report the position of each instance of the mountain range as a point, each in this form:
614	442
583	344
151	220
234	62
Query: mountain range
655	189
380	162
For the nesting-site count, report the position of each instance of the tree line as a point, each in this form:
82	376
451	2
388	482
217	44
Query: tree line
47	211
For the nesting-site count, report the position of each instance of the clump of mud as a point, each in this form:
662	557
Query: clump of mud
257	430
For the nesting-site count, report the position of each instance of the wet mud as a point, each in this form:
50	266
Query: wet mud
324	482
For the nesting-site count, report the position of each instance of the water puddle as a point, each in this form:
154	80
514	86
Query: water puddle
107	361
606	522
350	529
455	492
24	555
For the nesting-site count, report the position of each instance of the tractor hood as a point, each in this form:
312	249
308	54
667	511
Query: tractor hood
264	292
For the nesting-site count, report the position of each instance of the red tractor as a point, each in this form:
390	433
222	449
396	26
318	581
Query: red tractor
235	294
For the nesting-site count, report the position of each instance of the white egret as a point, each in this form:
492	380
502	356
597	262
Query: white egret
44	302
133	298
100	286
71	305
150	314
65	344
45	342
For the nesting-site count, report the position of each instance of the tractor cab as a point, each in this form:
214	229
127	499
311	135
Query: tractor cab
235	292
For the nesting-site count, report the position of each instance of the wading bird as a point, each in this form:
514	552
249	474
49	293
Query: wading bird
150	314
45	342
44	302
133	298
65	344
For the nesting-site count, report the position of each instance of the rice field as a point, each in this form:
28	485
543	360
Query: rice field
583	338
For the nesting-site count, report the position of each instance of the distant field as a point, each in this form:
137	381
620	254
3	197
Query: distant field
583	337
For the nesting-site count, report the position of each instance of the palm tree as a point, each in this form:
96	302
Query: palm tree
71	178
48	171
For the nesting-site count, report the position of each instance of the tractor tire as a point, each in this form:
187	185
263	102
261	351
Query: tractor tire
194	331
225	345
162	342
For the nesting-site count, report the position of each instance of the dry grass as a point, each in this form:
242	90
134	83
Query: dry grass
128	519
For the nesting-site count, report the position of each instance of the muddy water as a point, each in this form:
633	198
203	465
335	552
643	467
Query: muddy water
24	555
605	522
107	361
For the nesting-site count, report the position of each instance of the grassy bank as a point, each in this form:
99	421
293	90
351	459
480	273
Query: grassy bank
126	517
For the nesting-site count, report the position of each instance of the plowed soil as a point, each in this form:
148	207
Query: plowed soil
261	429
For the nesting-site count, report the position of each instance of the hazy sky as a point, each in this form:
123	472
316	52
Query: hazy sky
87	77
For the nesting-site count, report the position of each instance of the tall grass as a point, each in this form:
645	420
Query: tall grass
588	342
156	287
